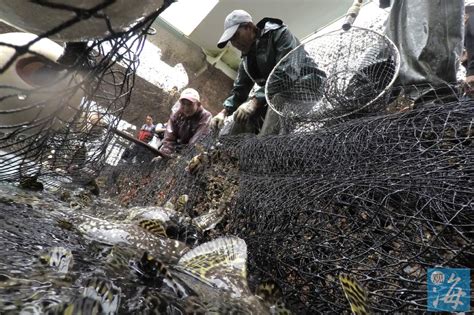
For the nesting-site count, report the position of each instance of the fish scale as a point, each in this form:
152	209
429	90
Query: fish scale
133	235
355	294
155	227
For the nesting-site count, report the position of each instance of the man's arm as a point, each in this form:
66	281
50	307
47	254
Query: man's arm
242	86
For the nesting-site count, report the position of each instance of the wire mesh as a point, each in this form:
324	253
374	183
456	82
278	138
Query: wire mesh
59	103
210	190
334	75
382	198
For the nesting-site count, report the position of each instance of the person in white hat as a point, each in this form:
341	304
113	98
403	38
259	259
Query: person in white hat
187	125
262	46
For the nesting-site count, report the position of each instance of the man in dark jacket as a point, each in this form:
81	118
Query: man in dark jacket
188	124
262	45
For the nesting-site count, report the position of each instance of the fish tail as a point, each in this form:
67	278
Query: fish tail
152	268
356	294
155	227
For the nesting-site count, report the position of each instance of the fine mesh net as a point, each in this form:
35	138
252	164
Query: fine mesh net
59	101
334	75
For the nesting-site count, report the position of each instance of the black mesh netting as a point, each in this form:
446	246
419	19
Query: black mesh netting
213	186
60	100
382	198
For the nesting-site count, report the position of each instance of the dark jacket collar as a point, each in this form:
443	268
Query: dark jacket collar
261	24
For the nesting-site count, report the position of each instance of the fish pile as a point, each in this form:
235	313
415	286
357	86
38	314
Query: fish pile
132	260
141	260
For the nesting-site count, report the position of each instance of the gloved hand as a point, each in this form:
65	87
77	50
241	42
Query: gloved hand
217	122
469	85
245	110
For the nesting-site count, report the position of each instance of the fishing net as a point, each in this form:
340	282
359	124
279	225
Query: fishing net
382	198
210	190
368	182
334	76
59	103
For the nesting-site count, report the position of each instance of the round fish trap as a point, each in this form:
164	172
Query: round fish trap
334	76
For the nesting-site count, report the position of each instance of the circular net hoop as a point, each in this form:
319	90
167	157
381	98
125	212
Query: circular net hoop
59	100
333	76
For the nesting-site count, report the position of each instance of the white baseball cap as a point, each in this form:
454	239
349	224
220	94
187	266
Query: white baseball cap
231	24
190	94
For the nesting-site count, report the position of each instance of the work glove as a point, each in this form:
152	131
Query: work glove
243	113
217	122
469	85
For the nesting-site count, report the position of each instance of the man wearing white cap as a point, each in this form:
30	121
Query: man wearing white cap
188	124
262	46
